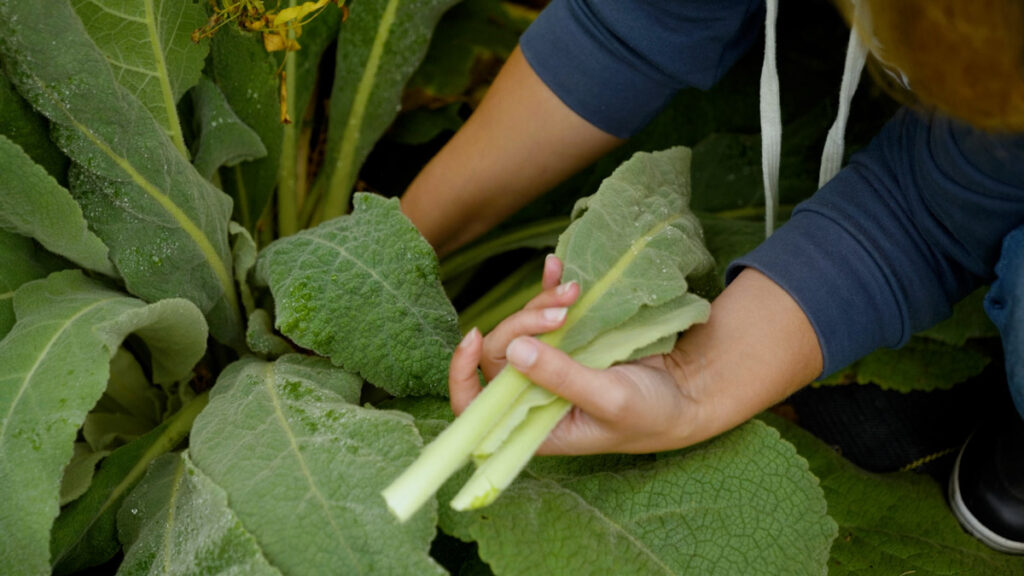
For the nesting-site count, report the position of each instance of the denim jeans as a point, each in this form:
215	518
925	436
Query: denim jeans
1005	306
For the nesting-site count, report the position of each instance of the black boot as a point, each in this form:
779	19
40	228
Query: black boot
986	488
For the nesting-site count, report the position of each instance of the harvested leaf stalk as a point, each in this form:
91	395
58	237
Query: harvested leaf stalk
630	247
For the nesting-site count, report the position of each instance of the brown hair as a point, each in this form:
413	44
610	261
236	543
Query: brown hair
962	57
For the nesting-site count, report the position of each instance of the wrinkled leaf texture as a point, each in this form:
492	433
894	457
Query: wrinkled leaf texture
896	523
364	290
743	503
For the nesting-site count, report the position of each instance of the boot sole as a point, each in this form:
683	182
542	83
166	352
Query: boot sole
971	524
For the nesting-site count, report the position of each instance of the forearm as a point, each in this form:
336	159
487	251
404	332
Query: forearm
756	349
520	142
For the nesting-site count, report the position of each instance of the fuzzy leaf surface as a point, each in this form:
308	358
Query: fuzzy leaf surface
744	503
26	128
635	248
20	262
303	468
224	140
68	329
166	226
364	290
149	47
177	521
379	47
247	75
895	523
85	533
33	204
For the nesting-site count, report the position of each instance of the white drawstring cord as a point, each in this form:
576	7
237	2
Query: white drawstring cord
856	55
771	120
771	114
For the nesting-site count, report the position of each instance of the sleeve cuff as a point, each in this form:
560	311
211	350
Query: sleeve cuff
810	257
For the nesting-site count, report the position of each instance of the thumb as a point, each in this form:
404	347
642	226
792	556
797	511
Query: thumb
593	391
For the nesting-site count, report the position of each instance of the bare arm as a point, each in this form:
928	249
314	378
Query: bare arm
756	349
520	142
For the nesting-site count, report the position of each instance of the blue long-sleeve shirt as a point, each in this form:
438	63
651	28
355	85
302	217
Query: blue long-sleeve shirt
912	224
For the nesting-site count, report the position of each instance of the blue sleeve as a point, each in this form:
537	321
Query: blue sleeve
616	63
910	226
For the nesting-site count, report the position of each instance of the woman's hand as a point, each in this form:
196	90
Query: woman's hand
637	407
756	349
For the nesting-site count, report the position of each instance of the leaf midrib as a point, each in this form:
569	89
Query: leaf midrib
605	283
217	265
350	137
60	331
163	74
306	473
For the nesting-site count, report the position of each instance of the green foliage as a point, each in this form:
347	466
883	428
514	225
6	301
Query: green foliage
305	485
68	329
895	523
150	190
364	290
178	522
29	191
380	46
224	140
124	161
644	515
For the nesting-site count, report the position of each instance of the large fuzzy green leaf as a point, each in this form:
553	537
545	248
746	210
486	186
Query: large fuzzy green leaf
364	290
628	253
20	262
148	44
744	503
178	522
26	128
302	469
165	225
895	523
379	48
33	204
85	533
56	361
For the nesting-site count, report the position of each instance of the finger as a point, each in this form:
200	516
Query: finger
552	275
533	321
558	295
599	393
463	382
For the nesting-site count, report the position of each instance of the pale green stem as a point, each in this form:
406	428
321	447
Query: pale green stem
499	302
177	428
533	397
452	448
540	234
287	199
340	190
501	468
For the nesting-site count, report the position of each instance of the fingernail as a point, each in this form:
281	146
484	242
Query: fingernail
555	314
563	288
549	258
468	338
522	352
